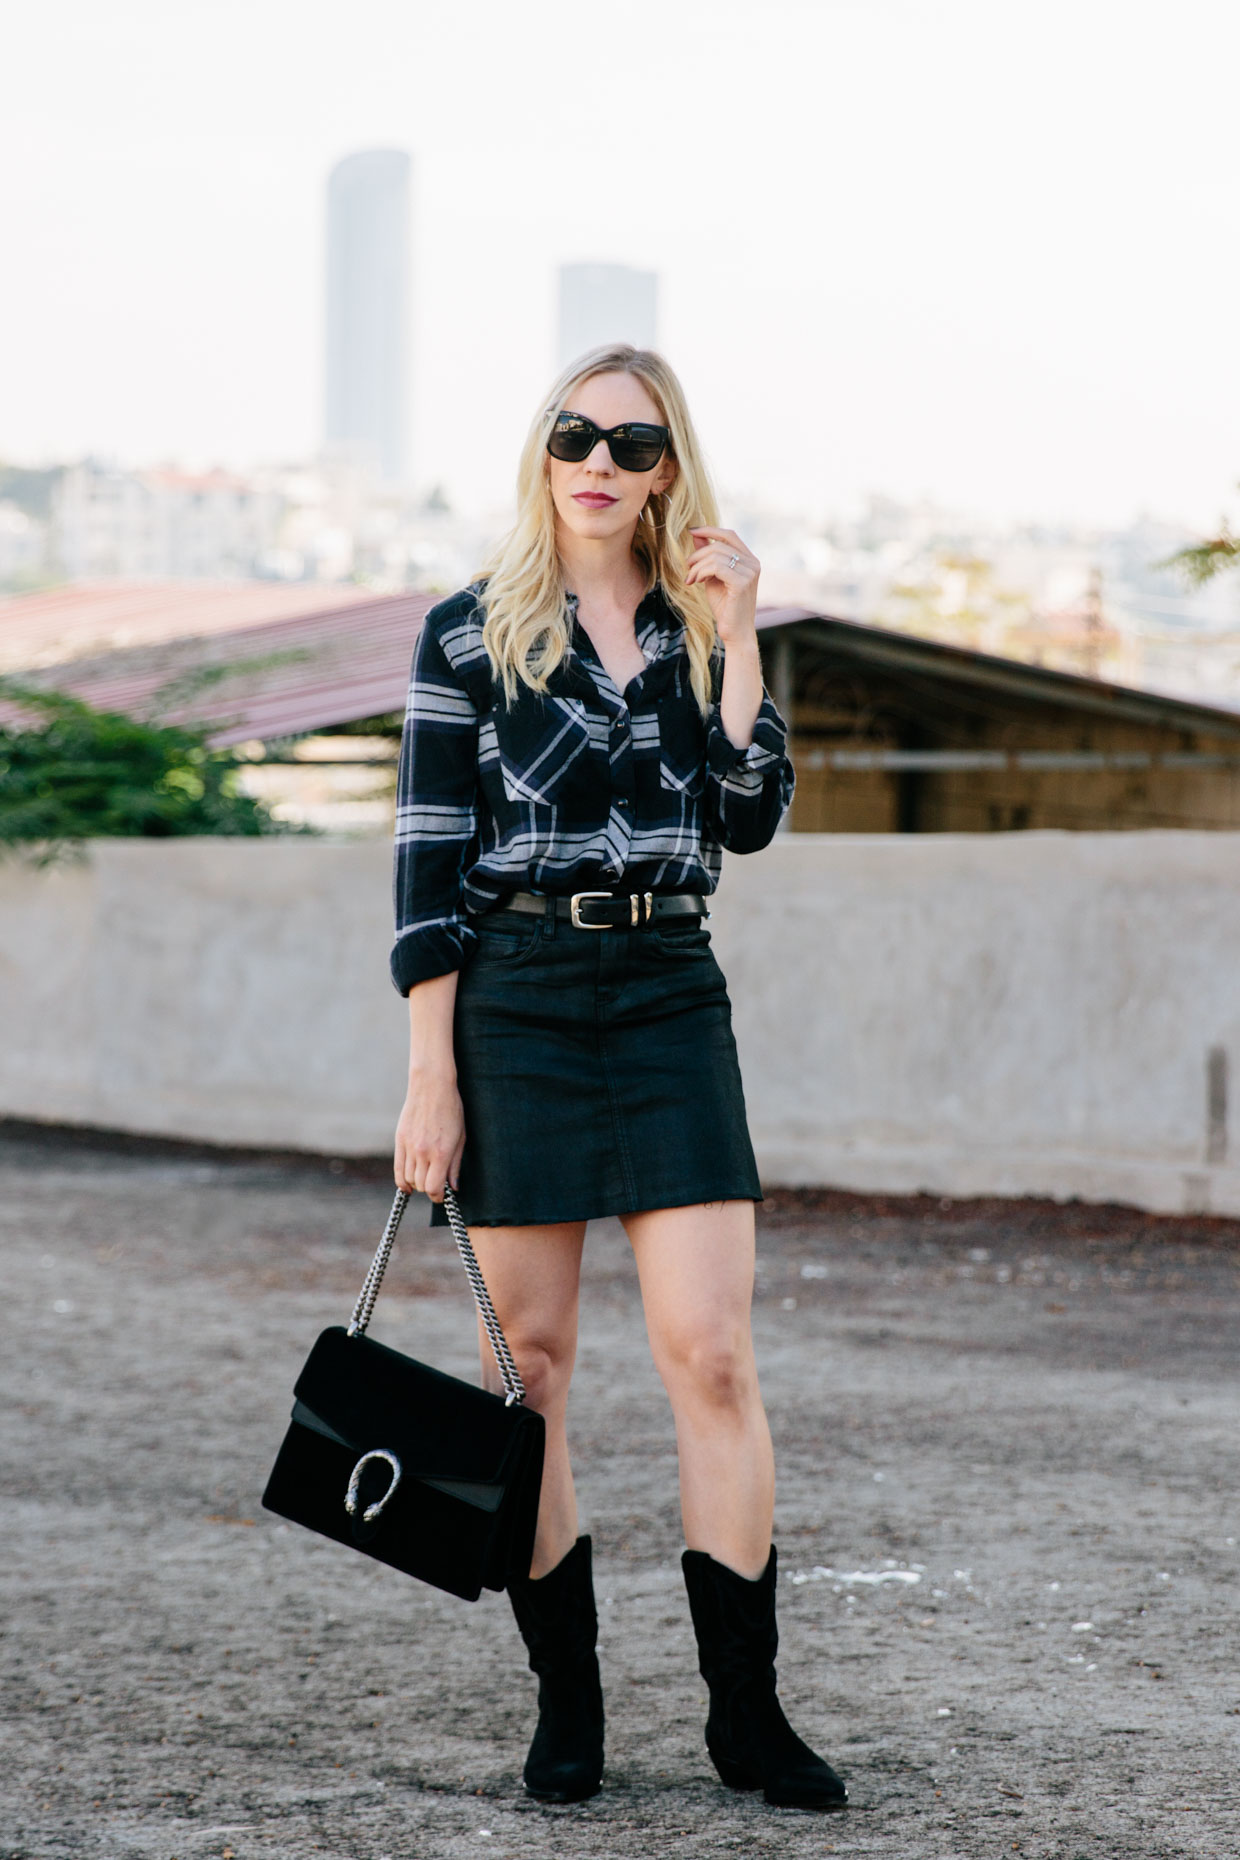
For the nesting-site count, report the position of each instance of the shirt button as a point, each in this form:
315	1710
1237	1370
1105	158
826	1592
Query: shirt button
623	801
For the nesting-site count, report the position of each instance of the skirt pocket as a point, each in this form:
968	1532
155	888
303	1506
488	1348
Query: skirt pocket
509	946
679	941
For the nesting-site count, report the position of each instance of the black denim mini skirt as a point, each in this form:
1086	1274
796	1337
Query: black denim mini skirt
598	1073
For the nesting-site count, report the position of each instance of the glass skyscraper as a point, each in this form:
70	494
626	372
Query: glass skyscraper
368	311
605	303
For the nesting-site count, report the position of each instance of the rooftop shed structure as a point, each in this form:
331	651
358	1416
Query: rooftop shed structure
896	734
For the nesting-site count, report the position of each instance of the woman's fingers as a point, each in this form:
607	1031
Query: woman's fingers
716	562
430	1138
726	540
435	1170
424	1173
722	553
723	566
454	1167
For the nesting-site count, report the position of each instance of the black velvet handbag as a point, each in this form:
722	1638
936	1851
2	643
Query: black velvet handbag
435	1476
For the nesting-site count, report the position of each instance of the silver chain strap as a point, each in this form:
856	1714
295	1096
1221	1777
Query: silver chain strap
364	1308
514	1388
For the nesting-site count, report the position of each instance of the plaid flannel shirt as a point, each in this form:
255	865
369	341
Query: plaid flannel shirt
585	789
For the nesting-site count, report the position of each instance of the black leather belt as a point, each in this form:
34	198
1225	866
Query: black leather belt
609	910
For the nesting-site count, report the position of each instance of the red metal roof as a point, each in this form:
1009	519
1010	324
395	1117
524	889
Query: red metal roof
63	623
339	655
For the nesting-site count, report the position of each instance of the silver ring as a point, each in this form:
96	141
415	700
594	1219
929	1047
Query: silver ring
734	561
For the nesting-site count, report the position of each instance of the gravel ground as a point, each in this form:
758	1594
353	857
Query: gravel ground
1006	1436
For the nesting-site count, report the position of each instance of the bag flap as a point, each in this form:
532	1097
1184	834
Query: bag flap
483	1497
366	1395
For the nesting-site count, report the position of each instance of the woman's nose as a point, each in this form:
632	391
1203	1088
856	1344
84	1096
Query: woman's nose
600	461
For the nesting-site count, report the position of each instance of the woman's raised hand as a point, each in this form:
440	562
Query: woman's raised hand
727	573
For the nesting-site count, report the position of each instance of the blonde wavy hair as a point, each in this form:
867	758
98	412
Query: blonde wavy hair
527	629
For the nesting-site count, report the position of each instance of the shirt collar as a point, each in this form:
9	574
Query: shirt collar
659	629
660	634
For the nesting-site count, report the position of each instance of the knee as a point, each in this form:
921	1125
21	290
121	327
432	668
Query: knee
711	1369
545	1366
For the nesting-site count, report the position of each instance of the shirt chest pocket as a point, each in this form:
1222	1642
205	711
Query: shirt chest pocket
536	746
682	745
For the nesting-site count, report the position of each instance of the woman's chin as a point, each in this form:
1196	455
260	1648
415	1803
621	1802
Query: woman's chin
597	524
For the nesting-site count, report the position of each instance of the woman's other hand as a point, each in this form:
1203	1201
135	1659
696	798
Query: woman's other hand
430	1135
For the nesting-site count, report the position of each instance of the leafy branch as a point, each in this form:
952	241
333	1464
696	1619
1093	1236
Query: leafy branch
74	773
1201	562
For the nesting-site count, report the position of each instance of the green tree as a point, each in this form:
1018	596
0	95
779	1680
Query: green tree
1202	561
75	773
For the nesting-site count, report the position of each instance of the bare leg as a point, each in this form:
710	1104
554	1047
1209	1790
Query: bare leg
533	1275
696	1266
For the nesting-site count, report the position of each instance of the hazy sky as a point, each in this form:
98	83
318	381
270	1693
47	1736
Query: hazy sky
982	250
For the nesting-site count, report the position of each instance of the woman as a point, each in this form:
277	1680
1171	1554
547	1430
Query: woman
587	727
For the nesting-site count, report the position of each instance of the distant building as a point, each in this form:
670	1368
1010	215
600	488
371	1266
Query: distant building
23	545
368	311
283	523
109	522
605	303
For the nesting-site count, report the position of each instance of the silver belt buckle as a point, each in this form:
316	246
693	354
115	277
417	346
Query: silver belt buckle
574	909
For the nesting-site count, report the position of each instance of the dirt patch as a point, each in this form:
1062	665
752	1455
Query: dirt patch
1006	1442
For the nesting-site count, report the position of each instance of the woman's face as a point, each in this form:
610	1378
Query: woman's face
595	498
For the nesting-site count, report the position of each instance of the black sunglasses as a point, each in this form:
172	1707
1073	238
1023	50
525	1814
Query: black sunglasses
635	446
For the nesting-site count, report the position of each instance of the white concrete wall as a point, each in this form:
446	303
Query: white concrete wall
1006	1014
232	990
1024	1014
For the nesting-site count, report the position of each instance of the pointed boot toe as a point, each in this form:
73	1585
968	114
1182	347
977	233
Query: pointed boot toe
801	1779
788	1772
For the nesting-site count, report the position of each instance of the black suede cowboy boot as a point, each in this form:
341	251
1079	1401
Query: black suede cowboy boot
751	1743
559	1625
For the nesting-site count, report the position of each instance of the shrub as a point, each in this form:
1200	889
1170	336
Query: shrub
75	773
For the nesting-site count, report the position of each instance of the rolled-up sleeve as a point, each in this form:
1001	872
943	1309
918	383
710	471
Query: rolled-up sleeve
748	791
436	818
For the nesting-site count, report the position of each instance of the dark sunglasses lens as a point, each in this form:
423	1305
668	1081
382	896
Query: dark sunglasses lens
637	448
572	439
